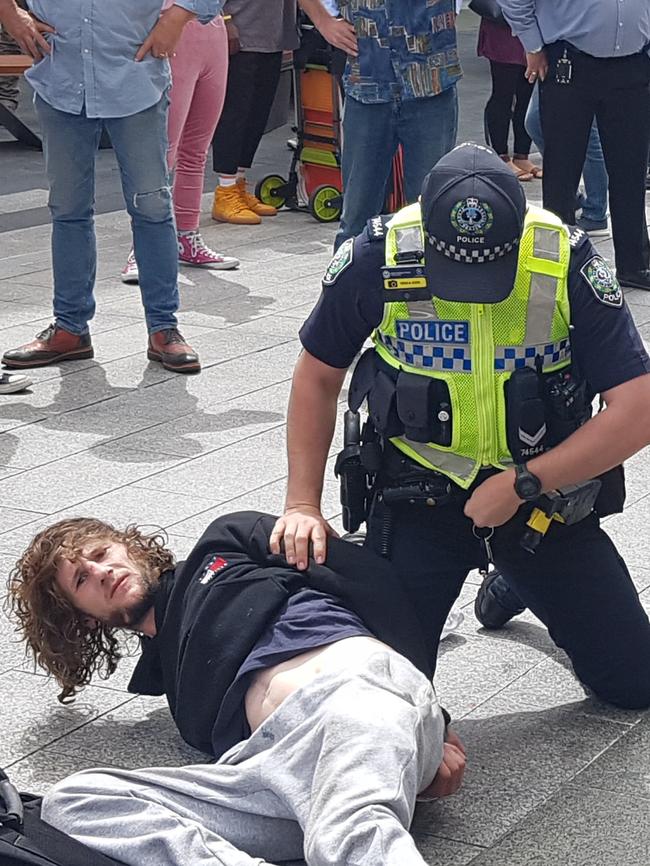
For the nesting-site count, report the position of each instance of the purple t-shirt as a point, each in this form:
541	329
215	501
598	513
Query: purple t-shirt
308	620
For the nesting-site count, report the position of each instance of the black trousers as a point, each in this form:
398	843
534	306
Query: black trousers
615	91
252	83
508	102
576	584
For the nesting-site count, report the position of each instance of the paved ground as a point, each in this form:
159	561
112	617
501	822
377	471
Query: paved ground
553	778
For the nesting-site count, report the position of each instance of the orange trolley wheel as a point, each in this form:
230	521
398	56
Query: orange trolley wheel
270	190
326	203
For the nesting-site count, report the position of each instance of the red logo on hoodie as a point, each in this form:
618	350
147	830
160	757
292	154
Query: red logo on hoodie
215	565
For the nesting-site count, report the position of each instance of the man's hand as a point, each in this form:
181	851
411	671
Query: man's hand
233	37
449	777
537	66
163	39
339	33
298	526
26	30
494	501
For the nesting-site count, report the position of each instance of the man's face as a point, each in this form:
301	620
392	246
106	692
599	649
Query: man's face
106	584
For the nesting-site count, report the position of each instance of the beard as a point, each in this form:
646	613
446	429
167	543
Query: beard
131	615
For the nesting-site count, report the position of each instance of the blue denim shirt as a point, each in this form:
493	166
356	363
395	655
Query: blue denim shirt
92	61
407	49
597	27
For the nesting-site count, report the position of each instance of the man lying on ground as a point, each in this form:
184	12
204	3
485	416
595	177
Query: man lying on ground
311	688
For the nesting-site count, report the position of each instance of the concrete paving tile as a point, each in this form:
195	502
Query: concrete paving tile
629	532
140	733
10	518
12	314
471	670
578	827
215	347
12	648
121	507
437	851
623	768
33	718
640	313
269	499
79	477
38	772
535	743
204	431
283	326
637	477
487	807
221	474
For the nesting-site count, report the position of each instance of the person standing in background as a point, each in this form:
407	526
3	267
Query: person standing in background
199	74
400	88
511	92
258	32
592	61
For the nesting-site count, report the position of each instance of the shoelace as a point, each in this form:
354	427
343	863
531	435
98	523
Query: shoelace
198	245
173	335
47	334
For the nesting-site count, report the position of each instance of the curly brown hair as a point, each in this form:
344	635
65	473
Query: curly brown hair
62	639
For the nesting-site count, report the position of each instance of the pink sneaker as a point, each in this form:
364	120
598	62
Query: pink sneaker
193	251
129	273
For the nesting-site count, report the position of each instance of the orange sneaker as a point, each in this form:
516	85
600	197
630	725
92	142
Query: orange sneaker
229	207
253	203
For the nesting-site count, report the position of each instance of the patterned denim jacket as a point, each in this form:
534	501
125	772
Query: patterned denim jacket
407	49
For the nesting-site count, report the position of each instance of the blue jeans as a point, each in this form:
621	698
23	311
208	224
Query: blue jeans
426	128
70	143
594	172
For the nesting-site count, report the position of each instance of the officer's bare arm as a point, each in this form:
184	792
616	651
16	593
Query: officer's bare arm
310	427
606	440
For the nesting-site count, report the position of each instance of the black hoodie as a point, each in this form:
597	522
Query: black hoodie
211	610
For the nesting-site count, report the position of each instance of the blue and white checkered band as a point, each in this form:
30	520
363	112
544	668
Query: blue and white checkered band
429	356
474	255
508	358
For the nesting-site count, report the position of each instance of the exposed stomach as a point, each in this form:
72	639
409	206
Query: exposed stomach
270	686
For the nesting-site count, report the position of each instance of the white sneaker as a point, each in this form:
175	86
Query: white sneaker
129	273
12	382
193	251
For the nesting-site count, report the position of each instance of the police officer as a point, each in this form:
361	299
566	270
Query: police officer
481	310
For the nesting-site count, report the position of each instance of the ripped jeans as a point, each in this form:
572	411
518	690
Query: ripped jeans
70	143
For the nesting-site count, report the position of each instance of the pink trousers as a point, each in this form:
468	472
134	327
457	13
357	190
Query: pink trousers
199	76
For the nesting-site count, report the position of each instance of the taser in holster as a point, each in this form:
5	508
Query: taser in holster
567	505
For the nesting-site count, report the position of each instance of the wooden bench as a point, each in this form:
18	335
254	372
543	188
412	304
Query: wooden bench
17	64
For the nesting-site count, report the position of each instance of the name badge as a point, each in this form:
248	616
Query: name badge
418	331
404	277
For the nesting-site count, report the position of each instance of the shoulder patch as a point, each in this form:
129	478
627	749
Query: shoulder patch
575	237
376	228
602	281
341	260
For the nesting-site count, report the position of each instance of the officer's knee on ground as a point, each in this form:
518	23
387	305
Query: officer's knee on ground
628	694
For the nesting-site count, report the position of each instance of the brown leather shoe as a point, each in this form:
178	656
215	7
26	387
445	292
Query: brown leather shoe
50	346
169	347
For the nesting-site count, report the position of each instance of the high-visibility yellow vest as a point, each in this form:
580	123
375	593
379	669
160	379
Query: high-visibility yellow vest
474	348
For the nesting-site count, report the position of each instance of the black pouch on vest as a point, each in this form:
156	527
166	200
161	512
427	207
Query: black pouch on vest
362	379
416	406
424	408
382	406
525	415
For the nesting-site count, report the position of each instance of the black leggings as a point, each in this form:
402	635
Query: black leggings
252	82
509	100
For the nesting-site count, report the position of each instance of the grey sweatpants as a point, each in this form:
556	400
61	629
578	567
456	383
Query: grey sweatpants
331	776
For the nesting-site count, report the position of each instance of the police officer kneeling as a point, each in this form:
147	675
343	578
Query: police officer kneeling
494	326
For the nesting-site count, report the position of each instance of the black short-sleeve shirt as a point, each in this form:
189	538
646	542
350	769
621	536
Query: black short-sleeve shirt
606	346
